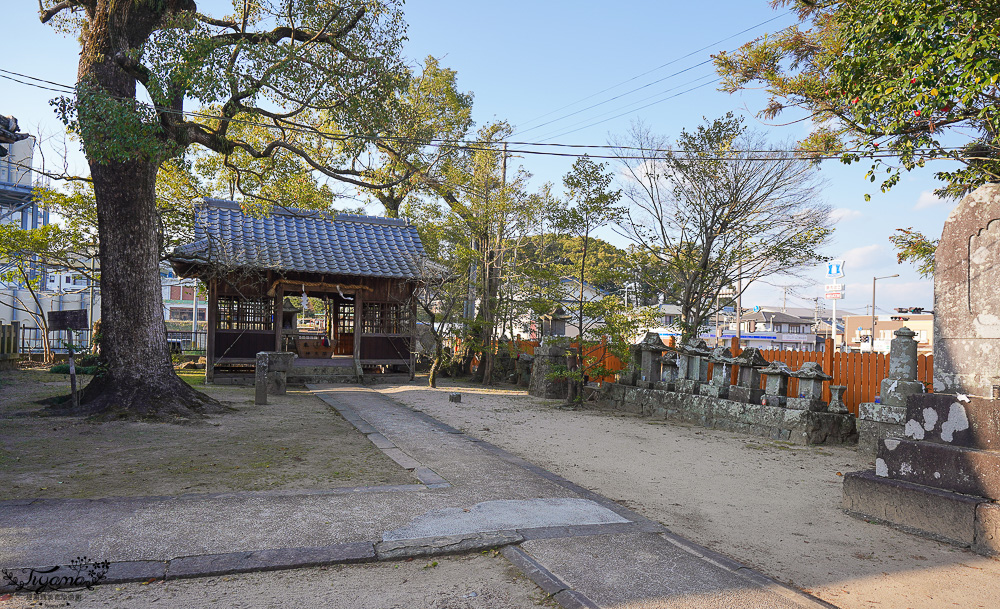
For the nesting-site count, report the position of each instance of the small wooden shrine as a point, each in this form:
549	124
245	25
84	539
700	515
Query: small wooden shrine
260	270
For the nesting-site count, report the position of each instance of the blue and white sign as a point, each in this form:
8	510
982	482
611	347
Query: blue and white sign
728	309
756	309
835	268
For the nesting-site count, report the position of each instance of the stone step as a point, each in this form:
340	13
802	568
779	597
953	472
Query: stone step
952	468
931	512
319	379
321	370
944	418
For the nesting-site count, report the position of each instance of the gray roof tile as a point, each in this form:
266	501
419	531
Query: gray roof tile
303	240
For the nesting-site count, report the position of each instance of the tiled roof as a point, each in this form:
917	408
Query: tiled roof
303	240
777	317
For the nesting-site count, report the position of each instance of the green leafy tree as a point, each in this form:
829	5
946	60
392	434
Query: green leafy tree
723	208
444	279
591	204
916	248
906	77
412	152
24	255
292	65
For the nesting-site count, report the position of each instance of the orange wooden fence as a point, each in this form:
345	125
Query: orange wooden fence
861	373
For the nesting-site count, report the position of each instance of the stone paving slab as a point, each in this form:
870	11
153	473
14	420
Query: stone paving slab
644	570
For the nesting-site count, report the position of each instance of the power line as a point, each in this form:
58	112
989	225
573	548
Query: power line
592	106
627	112
766	154
671	62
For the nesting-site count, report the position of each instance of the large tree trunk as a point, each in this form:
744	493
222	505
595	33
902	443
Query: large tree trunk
139	380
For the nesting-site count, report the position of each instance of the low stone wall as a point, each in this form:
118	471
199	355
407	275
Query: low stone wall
774	422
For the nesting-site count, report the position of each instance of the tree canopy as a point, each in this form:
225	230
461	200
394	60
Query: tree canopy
911	80
719	209
277	85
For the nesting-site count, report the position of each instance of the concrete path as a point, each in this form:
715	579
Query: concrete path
583	549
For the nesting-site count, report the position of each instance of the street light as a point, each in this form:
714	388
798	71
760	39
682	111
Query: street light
871	343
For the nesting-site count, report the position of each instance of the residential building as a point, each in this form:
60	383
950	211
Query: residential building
769	330
179	297
859	331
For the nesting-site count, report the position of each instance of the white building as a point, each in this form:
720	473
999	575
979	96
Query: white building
180	297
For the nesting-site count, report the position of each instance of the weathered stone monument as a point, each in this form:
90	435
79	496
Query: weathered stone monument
692	366
271	374
885	418
942	477
668	371
810	393
722	365
776	384
651	350
747	388
548	356
524	362
837	404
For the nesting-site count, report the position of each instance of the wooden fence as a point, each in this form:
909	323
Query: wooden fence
861	373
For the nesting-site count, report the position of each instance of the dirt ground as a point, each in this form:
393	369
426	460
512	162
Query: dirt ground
771	505
477	581
294	442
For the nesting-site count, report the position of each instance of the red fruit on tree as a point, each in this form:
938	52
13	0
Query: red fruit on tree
913	81
916	113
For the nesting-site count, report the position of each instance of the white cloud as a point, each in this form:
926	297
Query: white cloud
862	257
928	199
843	214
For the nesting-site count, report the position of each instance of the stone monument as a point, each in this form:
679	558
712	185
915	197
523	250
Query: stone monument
776	384
810	393
548	356
652	349
885	418
722	365
942	477
692	366
747	388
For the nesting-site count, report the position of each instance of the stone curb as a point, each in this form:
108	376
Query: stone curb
444	544
214	565
427	477
546	580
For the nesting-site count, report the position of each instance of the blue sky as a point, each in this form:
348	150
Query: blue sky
526	59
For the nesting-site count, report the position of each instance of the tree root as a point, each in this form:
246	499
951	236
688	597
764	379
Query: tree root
168	399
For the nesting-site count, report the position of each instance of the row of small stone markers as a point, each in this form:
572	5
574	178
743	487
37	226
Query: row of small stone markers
684	369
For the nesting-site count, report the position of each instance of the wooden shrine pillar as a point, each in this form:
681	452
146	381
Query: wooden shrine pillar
413	335
358	325
279	311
